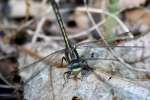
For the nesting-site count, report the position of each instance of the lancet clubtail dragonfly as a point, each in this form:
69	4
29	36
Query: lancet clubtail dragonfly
75	62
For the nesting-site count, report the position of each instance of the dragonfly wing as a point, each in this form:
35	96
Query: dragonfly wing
99	51
126	56
52	59
100	44
55	59
29	71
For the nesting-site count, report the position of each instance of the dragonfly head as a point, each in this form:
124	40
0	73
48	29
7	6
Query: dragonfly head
77	66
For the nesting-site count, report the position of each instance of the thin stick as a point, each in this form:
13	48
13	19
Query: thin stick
51	82
38	30
8	86
94	10
1	76
27	3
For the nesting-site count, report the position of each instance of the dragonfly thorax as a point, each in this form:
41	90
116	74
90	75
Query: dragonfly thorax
76	66
77	63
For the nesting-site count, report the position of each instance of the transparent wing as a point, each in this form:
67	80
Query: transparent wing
98	50
52	59
30	71
127	55
100	44
93	50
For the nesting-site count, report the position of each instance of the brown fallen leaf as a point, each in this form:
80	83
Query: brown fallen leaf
126	4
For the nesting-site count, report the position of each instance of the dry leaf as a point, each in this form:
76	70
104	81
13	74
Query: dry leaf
126	4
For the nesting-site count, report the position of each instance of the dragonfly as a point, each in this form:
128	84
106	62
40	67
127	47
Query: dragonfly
76	63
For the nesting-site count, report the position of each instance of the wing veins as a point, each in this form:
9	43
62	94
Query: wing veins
103	45
41	59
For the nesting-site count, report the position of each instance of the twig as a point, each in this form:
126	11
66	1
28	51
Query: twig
51	82
8	96
38	30
8	86
1	76
27	3
90	16
94	10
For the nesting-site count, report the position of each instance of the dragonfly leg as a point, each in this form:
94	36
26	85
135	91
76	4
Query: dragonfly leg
66	77
63	58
